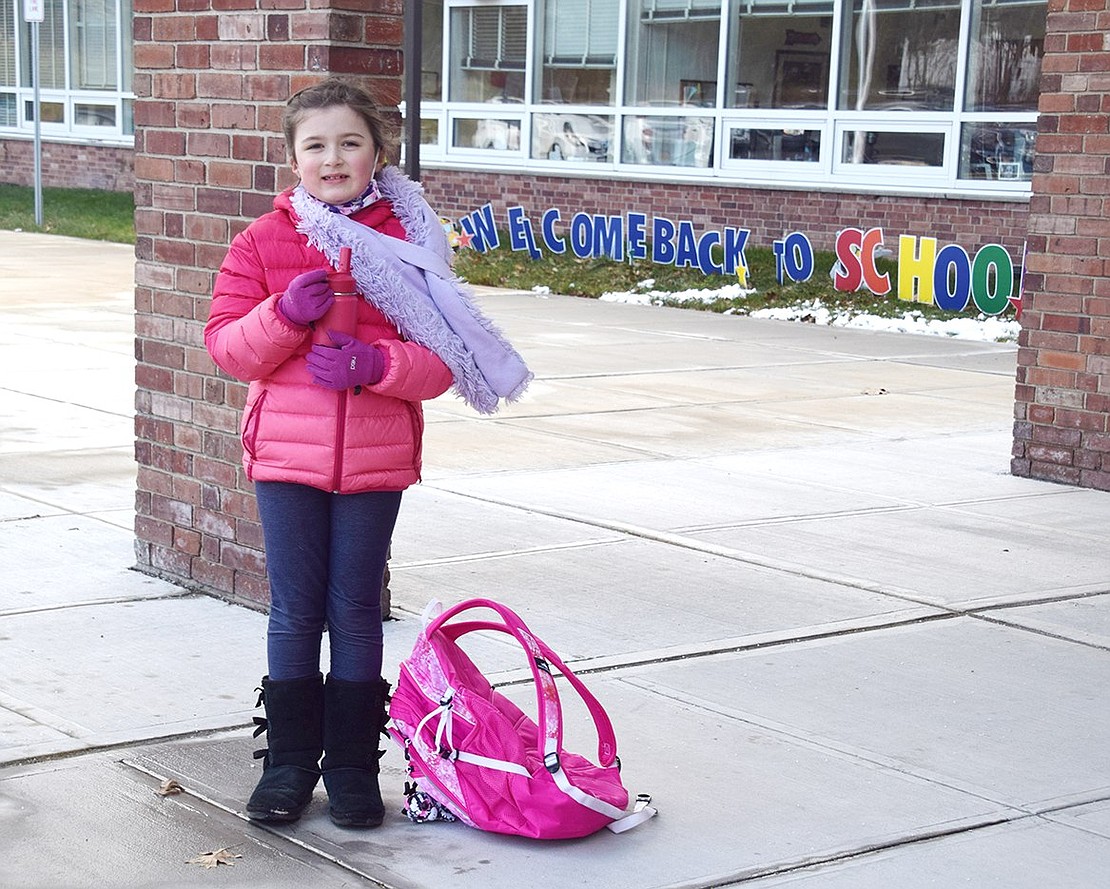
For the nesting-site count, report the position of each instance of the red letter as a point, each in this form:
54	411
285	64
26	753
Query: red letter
849	273
876	283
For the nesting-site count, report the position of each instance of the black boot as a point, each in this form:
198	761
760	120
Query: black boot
354	715
294	727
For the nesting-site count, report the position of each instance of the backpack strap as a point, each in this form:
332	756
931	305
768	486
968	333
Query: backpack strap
542	658
607	744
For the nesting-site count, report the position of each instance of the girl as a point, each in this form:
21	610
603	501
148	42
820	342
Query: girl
332	428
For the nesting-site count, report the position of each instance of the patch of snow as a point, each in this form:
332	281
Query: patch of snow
656	297
983	328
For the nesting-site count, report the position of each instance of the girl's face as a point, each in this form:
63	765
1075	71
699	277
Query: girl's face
334	154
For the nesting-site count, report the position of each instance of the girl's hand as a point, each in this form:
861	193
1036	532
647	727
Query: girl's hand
308	298
352	363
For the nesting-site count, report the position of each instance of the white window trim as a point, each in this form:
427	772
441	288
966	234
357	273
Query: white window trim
829	173
70	131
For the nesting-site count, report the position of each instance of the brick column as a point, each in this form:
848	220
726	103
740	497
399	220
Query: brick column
211	78
1062	428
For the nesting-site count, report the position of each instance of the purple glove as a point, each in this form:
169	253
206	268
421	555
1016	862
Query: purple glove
351	364
307	298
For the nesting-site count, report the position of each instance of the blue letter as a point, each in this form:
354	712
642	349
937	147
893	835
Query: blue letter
735	239
662	243
705	254
553	243
780	248
481	227
637	222
952	267
798	257
521	236
581	235
687	254
609	237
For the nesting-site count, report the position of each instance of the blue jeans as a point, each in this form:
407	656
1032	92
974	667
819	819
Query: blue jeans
325	556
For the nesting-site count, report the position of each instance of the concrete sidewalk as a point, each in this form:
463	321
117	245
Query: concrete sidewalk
841	645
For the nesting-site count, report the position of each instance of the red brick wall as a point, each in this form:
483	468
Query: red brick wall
1062	425
211	79
768	213
106	168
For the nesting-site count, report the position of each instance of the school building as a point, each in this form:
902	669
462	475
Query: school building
917	115
974	122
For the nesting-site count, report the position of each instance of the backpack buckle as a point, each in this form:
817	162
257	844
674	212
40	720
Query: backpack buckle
551	761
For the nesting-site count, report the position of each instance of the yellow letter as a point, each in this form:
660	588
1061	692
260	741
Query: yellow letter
916	268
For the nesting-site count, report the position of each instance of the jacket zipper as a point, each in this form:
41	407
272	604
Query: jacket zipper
340	437
417	438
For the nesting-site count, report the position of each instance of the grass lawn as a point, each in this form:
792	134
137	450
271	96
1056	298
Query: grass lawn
76	212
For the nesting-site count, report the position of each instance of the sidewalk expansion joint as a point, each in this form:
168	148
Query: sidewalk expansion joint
128	744
94	603
38	396
754	874
683	542
1037	631
261	826
589	666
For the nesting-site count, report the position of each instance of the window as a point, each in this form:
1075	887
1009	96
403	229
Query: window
900	55
7	44
488	51
85	63
7	65
572	137
780	54
672	52
997	151
488	134
673	141
1005	61
934	96
774	144
431	47
52	62
93	44
899	148
579	51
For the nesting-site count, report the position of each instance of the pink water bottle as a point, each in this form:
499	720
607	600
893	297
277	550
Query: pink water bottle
343	315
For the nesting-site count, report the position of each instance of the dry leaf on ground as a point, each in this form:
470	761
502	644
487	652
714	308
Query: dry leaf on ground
169	787
215	859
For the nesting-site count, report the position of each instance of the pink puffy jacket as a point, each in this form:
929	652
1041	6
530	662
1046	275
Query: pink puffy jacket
362	439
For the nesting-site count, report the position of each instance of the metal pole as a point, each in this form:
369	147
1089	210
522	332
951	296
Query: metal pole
413	49
38	133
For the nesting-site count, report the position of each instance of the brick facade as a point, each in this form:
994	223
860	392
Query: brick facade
66	165
1062	412
768	213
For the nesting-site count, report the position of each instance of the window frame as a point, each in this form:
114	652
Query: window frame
69	95
828	173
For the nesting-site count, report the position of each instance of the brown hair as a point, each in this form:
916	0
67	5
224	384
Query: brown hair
329	93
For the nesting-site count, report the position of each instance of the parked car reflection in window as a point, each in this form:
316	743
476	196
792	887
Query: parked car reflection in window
572	137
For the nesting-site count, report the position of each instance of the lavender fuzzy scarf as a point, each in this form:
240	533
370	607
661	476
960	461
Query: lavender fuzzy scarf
411	283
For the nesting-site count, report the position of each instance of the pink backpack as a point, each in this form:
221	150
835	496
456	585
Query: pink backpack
475	755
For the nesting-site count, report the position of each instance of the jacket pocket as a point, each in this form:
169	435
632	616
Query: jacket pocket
252	419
